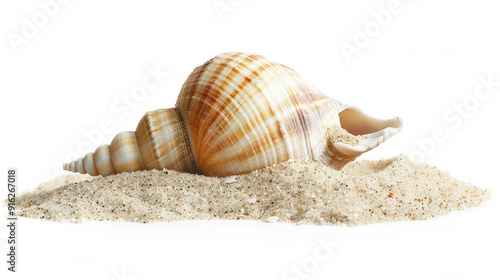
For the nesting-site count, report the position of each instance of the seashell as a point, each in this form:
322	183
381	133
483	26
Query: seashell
236	113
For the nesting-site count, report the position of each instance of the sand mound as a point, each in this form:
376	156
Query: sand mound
295	191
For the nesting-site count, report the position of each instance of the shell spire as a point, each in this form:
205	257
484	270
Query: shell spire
236	113
160	141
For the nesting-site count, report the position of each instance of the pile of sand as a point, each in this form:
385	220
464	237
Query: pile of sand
295	191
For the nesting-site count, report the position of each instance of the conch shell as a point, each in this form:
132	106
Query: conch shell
236	113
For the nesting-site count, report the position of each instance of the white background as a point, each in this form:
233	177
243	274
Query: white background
75	69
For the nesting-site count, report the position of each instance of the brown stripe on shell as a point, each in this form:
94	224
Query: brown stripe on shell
193	110
125	153
240	108
230	100
164	142
207	101
250	124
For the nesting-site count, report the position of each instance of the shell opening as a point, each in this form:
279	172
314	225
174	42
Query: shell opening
357	122
376	130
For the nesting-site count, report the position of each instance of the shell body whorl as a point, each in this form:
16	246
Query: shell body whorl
236	113
245	112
